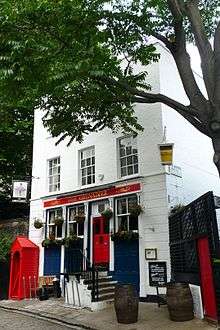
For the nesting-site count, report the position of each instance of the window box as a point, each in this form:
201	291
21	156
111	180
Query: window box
52	242
124	235
72	241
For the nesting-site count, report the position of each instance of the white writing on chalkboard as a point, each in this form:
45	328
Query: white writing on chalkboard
157	273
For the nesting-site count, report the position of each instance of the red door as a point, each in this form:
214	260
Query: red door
100	241
207	284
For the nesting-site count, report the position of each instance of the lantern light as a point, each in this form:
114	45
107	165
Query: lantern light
166	153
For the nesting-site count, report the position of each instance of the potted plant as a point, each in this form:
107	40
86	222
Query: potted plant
38	223
58	221
79	218
124	235
107	213
135	210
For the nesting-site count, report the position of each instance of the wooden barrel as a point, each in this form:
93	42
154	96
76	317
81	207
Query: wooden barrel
179	302
126	303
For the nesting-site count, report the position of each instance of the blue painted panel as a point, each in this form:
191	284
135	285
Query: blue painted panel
52	259
127	263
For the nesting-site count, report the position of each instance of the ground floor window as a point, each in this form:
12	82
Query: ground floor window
53	230
76	220
126	220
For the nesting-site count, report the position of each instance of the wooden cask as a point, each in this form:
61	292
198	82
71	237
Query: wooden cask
179	302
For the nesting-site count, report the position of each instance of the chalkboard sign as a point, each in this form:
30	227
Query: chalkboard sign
157	273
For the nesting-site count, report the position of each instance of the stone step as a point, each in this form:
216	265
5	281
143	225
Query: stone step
105	285
106	290
106	279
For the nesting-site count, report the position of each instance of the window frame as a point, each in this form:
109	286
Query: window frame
53	175
77	206
92	166
53	225
127	214
133	164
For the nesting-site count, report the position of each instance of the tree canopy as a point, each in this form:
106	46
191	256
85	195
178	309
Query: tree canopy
75	58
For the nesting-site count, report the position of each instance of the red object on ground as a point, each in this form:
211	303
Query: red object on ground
23	269
100	240
207	281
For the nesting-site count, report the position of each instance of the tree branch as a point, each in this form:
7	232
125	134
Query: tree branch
182	59
203	45
217	64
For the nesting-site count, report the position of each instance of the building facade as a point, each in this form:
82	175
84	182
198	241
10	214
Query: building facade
119	172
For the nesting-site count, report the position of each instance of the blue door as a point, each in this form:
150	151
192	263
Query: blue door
52	259
127	263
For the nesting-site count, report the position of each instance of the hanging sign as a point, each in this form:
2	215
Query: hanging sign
20	190
166	153
157	273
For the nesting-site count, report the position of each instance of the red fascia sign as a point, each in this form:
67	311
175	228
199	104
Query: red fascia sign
93	195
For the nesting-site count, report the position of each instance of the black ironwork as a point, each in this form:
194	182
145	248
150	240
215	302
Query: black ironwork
81	267
197	219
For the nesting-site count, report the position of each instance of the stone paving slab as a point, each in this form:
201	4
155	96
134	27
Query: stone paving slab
150	316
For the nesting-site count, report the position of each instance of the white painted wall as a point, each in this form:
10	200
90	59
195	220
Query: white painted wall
192	152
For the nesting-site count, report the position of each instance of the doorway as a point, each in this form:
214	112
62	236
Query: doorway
101	239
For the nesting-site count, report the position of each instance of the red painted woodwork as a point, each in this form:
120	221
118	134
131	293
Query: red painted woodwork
207	282
24	268
100	240
94	195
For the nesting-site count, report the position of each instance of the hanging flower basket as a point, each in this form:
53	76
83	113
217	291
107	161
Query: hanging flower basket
136	210
58	221
124	235
38	224
107	213
80	218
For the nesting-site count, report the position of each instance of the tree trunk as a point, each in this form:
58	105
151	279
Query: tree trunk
216	158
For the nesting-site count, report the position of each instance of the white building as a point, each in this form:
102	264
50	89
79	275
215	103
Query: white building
108	169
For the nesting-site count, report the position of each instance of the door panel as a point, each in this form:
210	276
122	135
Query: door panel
52	259
100	240
207	284
127	262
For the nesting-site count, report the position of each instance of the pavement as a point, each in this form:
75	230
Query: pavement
151	317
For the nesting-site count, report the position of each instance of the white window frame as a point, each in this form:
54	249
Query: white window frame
72	221
125	157
127	214
87	167
53	187
56	211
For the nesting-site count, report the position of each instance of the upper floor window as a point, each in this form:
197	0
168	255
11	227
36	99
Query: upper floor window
54	174
76	220
53	230
87	166
125	219
128	153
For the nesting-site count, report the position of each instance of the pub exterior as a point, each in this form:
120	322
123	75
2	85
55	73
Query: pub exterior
116	174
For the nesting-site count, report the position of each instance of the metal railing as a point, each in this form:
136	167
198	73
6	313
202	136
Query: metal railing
86	271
